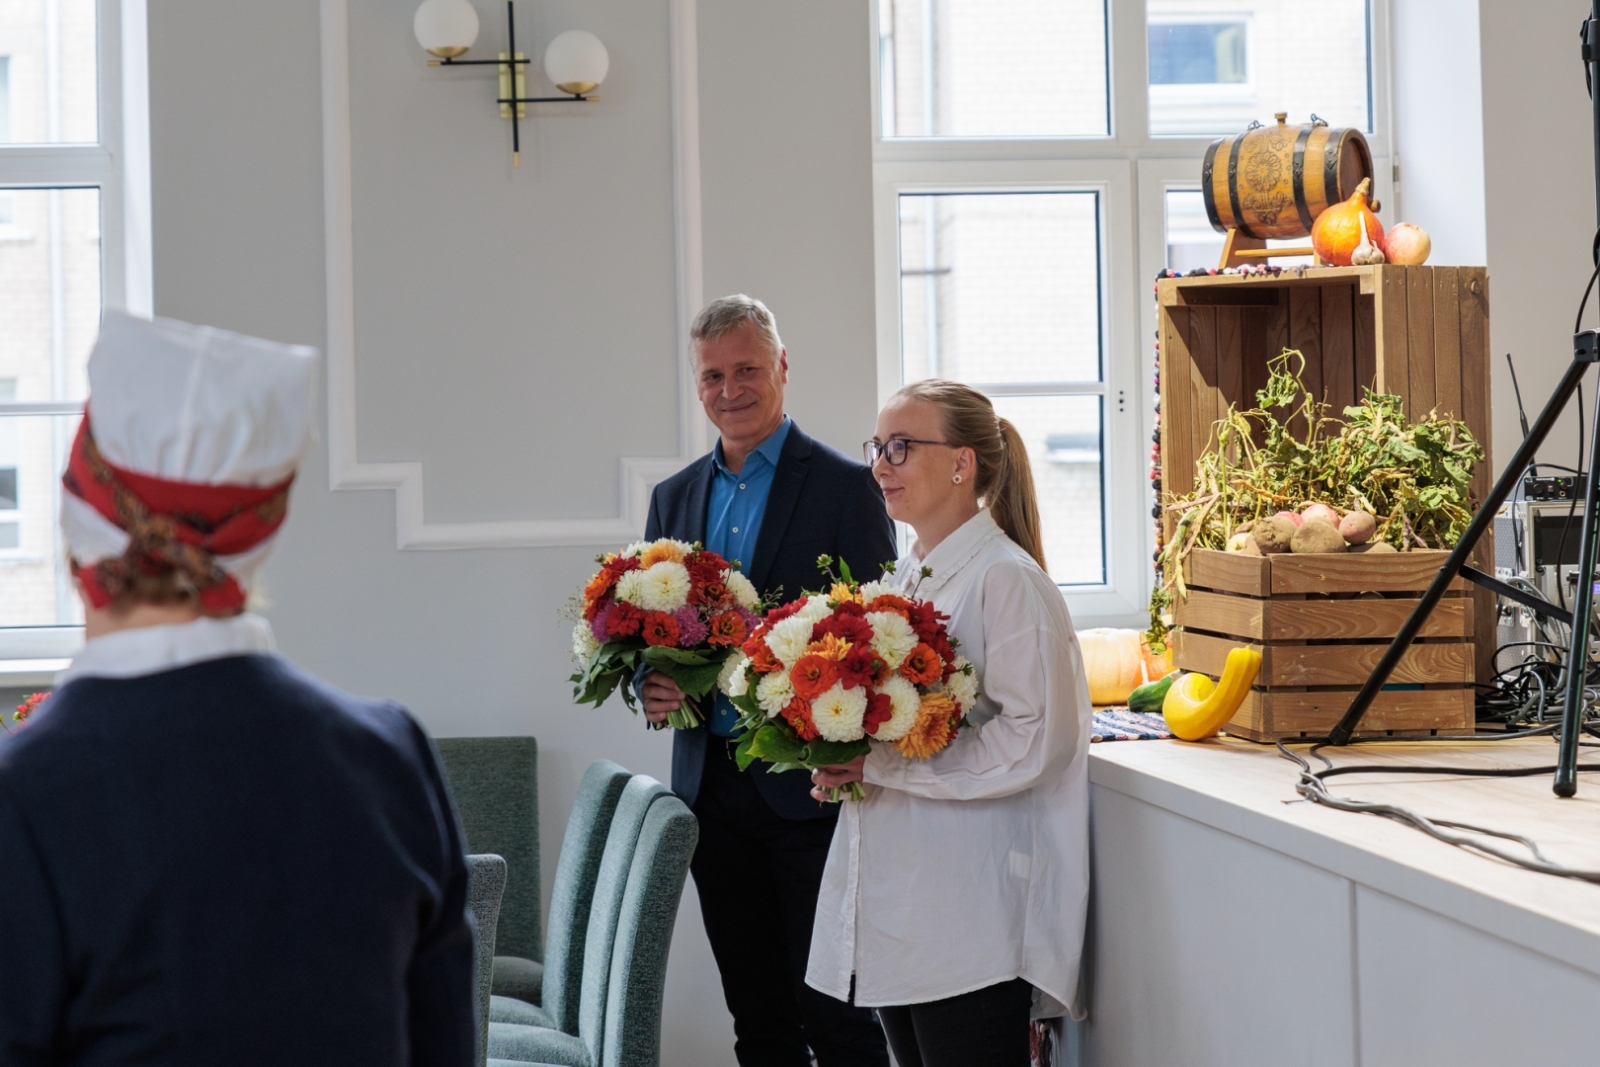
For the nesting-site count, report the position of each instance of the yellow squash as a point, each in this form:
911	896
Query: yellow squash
1196	707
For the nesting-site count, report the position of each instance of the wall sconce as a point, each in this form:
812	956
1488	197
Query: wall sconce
575	61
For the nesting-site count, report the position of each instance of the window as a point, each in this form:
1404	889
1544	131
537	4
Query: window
65	168
1036	163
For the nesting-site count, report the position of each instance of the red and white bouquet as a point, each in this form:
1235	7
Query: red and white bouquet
824	676
663	604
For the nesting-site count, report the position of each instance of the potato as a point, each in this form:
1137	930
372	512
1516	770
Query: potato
1273	535
1358	527
1322	513
1251	548
1292	516
1237	542
1373	546
1314	535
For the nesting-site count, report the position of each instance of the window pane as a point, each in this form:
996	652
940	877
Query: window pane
49	290
993	68
35	588
1064	444
1216	67
1192	243
1001	288
48	75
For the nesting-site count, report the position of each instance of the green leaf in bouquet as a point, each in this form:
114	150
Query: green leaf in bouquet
662	656
595	687
775	746
696	682
820	753
844	572
746	702
742	754
779	768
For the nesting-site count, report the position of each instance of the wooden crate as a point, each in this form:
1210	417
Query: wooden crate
1321	623
1419	332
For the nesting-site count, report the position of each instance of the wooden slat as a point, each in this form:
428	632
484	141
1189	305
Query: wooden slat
1305	334
1366	344
1473	293
1351	572
1389	318
1230	360
1237	573
1318	619
1338	349
1268	716
1202	377
1318	665
1419	343
1177	449
1172	292
1447	341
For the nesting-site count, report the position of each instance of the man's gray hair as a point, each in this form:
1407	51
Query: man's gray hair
728	313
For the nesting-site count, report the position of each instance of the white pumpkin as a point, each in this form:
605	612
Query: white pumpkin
1114	661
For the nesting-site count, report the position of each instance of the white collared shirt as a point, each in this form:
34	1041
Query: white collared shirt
972	868
152	649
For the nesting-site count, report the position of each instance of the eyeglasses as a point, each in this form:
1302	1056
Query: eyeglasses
894	449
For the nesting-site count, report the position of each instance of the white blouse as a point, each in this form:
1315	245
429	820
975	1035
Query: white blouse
972	868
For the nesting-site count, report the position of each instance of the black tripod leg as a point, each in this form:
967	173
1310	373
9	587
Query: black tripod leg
1566	783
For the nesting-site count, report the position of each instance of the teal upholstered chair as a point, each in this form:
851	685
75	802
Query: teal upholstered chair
486	881
634	875
582	848
495	782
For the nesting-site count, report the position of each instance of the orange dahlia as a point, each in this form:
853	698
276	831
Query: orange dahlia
922	666
933	729
763	660
728	628
831	646
813	675
661	552
798	715
889	602
660	629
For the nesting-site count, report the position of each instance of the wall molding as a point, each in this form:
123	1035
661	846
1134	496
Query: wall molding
636	476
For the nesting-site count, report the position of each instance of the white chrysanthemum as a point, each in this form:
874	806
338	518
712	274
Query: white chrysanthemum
635	549
838	713
584	646
788	639
734	680
904	700
630	587
774	692
963	685
871	591
743	590
892	637
816	610
663	587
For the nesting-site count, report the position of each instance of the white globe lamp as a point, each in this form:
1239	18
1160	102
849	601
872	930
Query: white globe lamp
576	62
445	28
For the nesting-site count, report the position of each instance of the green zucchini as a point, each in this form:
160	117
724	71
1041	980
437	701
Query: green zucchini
1149	697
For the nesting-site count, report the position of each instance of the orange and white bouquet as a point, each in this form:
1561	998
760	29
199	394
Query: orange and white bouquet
668	605
826	675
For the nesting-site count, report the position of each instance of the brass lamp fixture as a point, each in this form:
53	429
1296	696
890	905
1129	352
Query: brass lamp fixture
575	61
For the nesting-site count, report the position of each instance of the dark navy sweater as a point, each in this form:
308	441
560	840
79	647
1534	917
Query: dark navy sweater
229	863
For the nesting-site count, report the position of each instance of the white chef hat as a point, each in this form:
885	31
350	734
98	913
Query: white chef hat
184	457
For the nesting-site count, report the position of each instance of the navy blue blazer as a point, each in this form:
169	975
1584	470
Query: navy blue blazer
821	503
229	862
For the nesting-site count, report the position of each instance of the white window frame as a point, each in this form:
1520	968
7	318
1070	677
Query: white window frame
119	167
1132	171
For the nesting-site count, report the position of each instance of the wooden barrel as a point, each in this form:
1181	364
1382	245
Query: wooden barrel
1273	181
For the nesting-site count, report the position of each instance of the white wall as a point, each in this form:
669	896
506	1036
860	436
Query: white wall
516	330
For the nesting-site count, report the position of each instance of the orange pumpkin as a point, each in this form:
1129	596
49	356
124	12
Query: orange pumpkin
1117	662
1337	231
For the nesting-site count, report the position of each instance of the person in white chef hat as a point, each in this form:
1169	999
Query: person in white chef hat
207	854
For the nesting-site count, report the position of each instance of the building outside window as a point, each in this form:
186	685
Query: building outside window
64	256
1036	163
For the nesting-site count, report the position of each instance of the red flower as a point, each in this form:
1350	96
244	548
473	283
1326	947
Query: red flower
762	660
727	629
798	715
879	711
778	614
661	629
704	558
889	602
853	629
849	607
862	666
812	676
624	619
707	591
28	707
922	666
925	619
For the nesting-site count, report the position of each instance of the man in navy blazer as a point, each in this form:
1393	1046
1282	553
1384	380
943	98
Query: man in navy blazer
775	499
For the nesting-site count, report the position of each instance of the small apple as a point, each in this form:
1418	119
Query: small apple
1407	244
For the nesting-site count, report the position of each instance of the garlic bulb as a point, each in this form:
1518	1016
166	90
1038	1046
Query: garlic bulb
1366	253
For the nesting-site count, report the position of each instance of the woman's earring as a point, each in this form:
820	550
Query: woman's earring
956	479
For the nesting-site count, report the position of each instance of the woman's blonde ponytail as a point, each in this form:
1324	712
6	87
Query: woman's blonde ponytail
1005	477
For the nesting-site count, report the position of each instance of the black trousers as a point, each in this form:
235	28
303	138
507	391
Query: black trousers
749	862
985	1028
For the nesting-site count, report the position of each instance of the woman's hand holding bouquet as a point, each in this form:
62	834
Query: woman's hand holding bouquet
823	676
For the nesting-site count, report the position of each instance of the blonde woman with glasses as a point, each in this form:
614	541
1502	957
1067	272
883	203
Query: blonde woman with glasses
956	892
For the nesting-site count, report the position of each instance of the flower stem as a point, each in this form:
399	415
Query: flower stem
683	717
852	791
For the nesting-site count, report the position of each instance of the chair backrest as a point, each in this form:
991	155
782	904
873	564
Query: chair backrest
486	881
604	911
495	782
582	849
644	934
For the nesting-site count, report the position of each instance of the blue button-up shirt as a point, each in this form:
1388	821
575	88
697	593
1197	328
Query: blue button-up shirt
733	522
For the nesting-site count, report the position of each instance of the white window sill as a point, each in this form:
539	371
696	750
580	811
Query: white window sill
30	673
